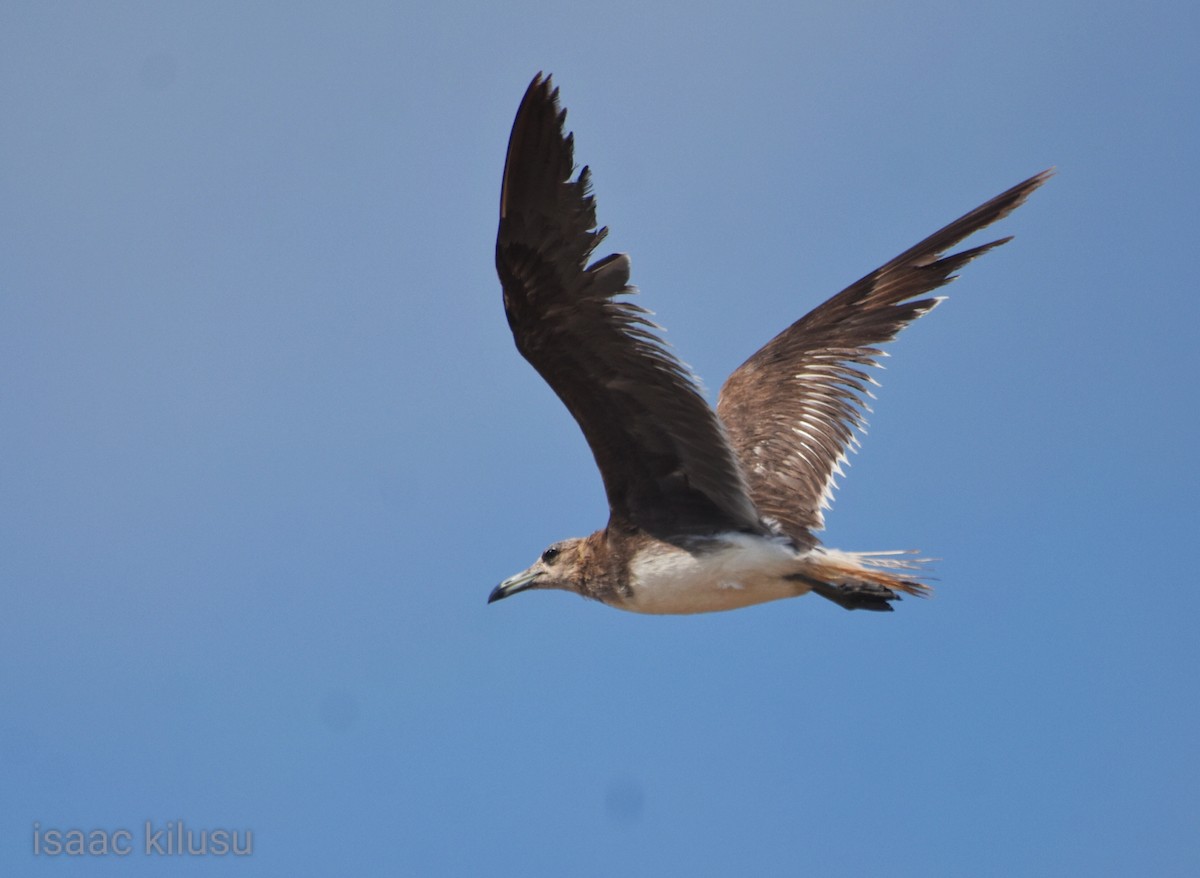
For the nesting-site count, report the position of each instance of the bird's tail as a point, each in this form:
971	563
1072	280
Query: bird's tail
863	580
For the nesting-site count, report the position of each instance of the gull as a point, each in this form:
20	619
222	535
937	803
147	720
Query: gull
708	510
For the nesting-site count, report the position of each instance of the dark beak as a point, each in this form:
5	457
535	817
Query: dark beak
512	585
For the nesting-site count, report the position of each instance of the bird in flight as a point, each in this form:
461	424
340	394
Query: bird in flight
708	510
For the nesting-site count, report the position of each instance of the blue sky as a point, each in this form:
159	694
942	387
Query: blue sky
266	445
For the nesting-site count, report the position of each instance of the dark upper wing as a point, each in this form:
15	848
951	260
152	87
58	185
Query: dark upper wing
792	408
663	454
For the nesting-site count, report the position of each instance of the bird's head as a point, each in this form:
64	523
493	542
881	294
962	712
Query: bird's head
557	567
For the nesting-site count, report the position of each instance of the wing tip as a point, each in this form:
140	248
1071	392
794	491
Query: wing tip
539	104
1009	200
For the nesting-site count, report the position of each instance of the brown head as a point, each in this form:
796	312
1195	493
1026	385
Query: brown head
560	566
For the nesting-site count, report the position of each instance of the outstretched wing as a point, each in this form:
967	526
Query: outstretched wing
792	409
663	454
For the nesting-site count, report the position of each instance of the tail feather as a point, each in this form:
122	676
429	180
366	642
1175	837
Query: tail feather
864	580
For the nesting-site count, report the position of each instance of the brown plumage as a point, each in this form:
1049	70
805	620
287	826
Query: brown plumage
666	463
791	409
693	492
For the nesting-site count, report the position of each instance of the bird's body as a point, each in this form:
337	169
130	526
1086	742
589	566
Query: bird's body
708	510
726	572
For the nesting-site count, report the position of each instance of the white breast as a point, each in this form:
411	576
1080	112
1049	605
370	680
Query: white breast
746	570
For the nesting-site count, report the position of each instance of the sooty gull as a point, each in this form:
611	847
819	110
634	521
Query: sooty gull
708	510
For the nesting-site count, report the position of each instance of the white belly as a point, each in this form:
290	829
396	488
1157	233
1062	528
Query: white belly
748	570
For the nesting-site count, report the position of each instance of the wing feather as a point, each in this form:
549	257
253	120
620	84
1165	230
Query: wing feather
664	457
792	409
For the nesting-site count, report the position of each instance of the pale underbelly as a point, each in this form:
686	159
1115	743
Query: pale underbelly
749	571
709	600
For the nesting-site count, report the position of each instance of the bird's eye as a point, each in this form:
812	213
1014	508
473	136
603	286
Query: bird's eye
549	555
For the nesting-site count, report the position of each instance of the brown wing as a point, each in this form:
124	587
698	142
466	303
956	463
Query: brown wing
791	410
664	457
